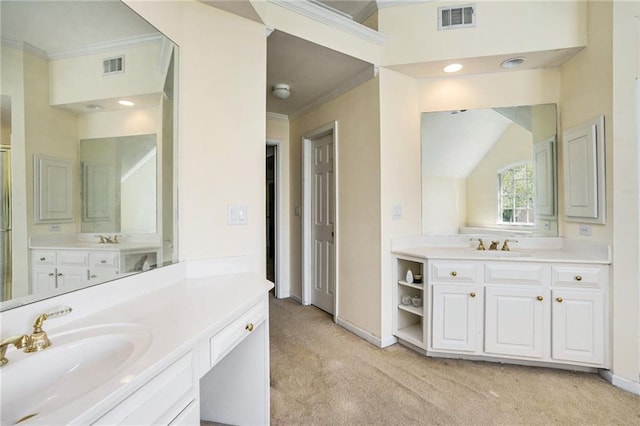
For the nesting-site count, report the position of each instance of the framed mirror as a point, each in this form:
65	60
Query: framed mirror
91	86
490	170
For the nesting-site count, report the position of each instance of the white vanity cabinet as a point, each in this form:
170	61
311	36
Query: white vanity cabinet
533	311
409	320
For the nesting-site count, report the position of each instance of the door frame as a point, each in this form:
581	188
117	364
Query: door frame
282	286
307	190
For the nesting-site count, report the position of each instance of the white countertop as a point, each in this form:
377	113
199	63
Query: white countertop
178	317
86	245
556	255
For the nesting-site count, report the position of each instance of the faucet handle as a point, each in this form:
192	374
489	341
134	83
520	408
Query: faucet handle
480	243
505	245
39	339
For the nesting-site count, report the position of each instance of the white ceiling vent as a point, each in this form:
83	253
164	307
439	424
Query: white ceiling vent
113	65
451	17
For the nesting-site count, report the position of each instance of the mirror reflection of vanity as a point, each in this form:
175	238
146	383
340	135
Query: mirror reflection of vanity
490	171
88	118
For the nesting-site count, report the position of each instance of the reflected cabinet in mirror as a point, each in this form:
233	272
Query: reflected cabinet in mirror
490	170
88	147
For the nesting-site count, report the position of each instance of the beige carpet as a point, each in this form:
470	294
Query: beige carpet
322	374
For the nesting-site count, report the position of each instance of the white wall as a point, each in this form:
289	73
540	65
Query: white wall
220	162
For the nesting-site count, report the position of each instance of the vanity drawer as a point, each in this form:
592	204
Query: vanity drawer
160	400
223	342
516	273
73	258
104	260
579	275
447	272
43	257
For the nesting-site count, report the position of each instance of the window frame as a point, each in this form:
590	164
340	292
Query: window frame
499	216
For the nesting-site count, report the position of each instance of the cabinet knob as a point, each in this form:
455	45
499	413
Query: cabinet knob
249	327
93	276
472	294
42	259
540	298
103	261
454	274
59	274
559	299
51	274
578	278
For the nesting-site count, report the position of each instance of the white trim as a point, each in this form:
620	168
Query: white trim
330	128
282	284
296	298
365	13
164	59
24	46
360	78
108	46
620	382
393	3
325	16
374	340
277	117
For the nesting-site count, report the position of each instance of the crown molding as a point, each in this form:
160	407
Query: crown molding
360	78
104	47
325	16
24	46
277	117
392	3
371	8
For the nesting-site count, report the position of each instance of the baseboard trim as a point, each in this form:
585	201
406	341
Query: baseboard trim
296	298
374	340
620	382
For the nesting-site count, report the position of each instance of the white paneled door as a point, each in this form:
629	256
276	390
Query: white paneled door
323	224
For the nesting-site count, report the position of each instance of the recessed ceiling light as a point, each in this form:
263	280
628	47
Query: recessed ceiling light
453	68
512	62
126	103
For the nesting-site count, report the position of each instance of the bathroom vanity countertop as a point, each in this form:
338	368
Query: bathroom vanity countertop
88	245
180	318
556	255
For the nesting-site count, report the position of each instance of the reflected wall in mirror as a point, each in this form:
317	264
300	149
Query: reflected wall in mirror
91	83
490	170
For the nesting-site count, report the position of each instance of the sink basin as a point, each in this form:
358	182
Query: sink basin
77	362
491	254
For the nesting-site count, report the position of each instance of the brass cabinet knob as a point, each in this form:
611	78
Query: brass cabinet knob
454	273
540	298
559	299
578	278
249	327
472	294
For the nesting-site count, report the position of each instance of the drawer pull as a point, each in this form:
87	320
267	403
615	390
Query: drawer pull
60	274
540	298
42	259
103	261
249	327
51	274
559	299
578	278
454	274
472	294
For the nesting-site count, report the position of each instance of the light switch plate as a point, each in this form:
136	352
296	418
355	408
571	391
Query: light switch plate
396	212
237	215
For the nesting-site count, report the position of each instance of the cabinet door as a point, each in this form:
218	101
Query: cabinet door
578	326
515	321
457	317
72	277
53	189
44	278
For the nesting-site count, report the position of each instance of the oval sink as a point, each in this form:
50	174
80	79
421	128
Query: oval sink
77	362
490	254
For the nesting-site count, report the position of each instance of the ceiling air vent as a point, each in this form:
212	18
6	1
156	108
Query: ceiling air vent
451	17
113	65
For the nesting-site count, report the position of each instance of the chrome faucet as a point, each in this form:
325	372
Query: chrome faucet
494	245
37	341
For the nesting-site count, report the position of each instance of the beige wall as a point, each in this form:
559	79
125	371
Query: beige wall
358	192
414	35
514	146
219	161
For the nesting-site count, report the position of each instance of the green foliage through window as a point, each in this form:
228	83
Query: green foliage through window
515	193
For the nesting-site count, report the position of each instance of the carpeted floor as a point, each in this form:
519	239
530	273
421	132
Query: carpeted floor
322	374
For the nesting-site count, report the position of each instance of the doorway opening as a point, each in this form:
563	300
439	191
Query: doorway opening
320	225
271	212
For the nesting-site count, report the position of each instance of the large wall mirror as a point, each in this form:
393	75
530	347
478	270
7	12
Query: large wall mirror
490	170
88	147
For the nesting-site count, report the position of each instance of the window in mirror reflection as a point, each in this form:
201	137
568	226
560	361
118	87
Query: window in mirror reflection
515	192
